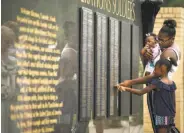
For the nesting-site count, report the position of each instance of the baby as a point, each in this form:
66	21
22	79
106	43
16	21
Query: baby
151	44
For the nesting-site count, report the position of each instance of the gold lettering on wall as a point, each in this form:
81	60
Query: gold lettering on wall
119	8
37	107
126	9
98	3
133	11
114	2
129	10
102	4
84	1
108	5
123	8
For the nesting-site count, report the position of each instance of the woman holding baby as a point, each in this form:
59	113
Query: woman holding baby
169	49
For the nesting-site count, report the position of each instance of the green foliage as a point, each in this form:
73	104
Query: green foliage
174	3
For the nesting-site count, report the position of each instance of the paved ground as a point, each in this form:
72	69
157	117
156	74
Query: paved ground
125	129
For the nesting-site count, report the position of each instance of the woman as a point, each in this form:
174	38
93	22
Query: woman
8	79
166	39
67	87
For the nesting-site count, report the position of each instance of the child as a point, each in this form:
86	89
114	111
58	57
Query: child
164	95
151	44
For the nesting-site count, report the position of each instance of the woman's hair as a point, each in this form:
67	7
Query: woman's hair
169	27
7	38
167	62
152	34
14	26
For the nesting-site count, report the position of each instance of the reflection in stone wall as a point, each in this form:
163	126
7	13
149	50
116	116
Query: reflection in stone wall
35	107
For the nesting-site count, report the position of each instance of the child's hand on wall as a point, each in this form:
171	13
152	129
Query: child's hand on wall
126	83
120	88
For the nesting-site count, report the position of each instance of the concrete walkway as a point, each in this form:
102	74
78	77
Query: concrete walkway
125	128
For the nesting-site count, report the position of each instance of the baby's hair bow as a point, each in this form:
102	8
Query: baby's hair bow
148	34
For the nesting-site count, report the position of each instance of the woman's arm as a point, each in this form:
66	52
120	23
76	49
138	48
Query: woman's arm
141	80
167	53
146	52
139	92
143	51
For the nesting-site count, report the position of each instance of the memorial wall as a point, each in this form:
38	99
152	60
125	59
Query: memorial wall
61	60
101	47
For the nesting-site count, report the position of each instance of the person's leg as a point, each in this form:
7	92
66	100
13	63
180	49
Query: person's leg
174	130
163	130
173	127
150	108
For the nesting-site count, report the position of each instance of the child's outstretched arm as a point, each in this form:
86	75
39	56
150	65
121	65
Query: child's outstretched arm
141	80
138	92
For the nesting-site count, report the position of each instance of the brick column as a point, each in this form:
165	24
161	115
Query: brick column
177	14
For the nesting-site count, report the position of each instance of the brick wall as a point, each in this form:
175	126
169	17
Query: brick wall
178	15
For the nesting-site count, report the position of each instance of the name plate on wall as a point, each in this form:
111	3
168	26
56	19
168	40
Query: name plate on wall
86	68
125	66
100	65
113	66
136	100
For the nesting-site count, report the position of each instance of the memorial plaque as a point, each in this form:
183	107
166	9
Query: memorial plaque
125	66
113	66
100	66
56	70
86	65
136	100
